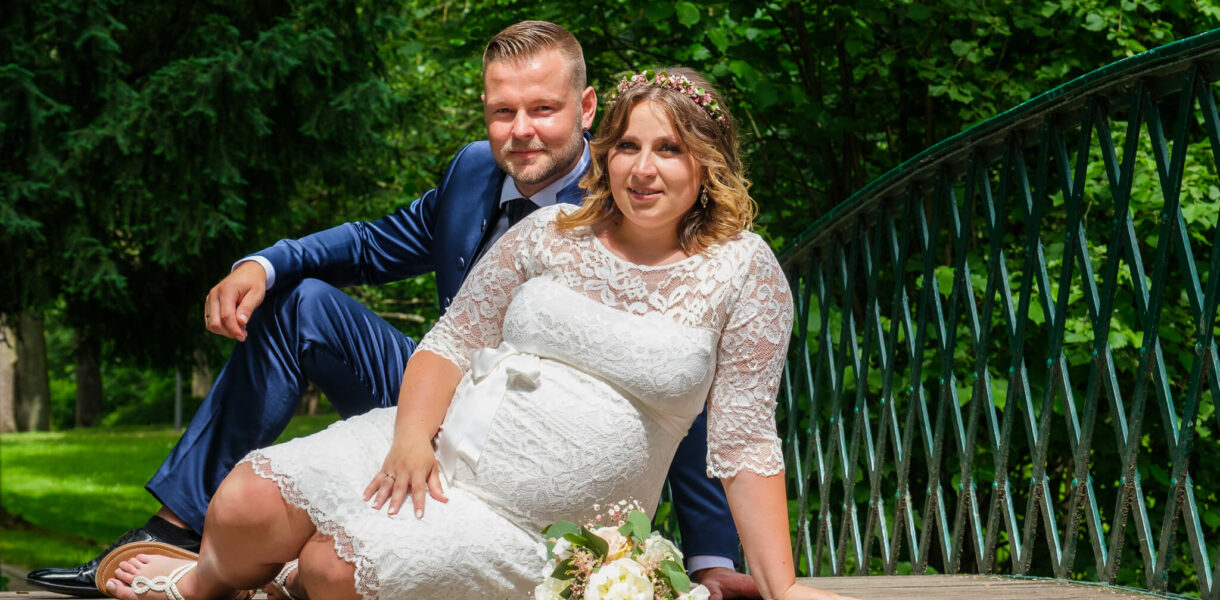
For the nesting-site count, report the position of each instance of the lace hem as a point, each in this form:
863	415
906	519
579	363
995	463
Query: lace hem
764	465
366	581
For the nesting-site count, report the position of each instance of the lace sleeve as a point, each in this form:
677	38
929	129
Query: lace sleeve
475	318
741	430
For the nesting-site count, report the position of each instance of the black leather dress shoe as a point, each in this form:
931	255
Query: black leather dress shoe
81	581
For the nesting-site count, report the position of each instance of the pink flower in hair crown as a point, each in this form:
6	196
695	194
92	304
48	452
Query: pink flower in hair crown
674	82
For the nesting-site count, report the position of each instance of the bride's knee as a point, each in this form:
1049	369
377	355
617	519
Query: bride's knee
244	498
323	573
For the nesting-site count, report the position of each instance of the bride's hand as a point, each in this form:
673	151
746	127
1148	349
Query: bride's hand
408	468
800	592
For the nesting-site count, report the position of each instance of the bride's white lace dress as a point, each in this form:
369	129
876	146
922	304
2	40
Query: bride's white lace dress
582	373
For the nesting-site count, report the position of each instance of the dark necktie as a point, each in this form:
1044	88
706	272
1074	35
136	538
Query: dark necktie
510	212
517	208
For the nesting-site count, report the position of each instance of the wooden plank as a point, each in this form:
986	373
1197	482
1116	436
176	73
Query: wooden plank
902	587
972	587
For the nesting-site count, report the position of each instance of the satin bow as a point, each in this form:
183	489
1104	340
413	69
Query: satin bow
492	372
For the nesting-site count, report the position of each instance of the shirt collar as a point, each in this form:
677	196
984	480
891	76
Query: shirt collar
548	195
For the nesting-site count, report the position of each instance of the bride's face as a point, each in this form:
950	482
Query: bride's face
653	178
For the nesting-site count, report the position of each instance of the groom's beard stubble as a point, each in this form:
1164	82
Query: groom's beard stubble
551	164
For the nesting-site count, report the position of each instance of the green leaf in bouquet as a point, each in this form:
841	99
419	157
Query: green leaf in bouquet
578	540
676	575
563	571
595	543
555	531
559	528
638	526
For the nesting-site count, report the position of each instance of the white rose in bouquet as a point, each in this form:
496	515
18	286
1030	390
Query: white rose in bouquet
562	549
550	589
697	592
657	548
622	579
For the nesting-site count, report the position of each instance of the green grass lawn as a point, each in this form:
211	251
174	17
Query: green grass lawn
72	492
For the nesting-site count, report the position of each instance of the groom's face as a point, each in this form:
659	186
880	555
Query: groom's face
535	117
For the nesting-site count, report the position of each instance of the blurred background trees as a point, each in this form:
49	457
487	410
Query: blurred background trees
148	145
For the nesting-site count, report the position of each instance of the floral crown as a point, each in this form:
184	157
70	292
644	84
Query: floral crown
673	82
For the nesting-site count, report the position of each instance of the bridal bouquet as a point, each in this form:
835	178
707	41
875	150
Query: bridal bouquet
617	557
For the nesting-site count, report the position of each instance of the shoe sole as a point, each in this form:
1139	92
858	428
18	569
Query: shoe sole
110	564
79	591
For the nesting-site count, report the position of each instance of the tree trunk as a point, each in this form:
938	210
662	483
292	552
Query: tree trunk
309	401
88	381
33	405
8	376
202	377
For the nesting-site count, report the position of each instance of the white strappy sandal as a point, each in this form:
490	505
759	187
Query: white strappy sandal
281	580
167	584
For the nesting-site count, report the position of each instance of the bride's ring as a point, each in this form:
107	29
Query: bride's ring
390	475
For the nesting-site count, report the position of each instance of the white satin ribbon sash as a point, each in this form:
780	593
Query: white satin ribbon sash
492	372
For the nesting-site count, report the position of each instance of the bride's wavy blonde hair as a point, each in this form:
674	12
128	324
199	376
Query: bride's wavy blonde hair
729	210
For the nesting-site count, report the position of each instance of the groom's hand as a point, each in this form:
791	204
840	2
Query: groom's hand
724	583
231	302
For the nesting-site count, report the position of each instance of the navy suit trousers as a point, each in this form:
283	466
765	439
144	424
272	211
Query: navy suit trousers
311	332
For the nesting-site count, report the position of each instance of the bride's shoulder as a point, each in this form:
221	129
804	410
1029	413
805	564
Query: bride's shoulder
745	248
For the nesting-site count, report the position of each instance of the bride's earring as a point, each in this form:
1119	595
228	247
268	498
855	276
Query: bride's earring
703	197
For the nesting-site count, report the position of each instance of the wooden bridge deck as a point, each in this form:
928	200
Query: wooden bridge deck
926	587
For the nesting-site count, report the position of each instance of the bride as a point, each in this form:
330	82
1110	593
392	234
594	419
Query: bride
563	375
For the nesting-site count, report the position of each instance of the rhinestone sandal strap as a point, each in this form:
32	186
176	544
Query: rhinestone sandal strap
281	580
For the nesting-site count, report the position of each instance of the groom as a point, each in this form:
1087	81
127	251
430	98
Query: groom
294	326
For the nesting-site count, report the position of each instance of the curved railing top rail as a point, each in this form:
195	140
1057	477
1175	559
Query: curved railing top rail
1111	80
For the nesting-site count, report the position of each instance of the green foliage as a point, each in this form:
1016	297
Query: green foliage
150	145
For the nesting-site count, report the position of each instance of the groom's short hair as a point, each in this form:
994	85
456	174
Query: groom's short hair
528	38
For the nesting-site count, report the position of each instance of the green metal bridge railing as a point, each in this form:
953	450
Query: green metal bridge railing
1004	359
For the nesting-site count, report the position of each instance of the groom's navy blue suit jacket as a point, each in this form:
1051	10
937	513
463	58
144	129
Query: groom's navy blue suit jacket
443	231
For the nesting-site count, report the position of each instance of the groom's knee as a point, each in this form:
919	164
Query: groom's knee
297	305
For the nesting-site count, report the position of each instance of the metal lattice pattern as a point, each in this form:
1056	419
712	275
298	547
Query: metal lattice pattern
1004	358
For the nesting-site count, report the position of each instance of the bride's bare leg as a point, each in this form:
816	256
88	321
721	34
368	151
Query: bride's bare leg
323	574
250	532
